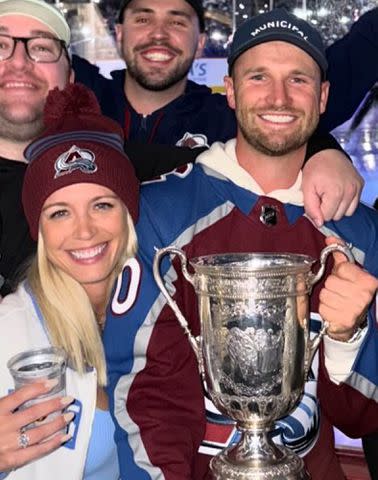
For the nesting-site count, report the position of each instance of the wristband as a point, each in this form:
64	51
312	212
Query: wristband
354	338
356	335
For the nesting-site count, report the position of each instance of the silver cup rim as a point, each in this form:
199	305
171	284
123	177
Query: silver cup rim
59	352
241	263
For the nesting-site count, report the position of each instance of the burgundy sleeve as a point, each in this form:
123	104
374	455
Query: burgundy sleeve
346	408
166	400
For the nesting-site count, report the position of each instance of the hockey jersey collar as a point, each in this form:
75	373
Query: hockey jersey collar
221	158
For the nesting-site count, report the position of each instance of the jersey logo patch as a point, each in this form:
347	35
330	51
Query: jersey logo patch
193	140
75	159
269	215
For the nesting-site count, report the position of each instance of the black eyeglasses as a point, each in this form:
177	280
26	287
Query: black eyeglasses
38	49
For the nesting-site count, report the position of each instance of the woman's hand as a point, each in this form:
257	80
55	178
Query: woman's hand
19	446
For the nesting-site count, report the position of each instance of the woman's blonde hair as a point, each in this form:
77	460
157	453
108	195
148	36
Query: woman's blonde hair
68	314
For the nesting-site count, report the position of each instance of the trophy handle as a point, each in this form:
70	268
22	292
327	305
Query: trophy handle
334	247
315	342
160	253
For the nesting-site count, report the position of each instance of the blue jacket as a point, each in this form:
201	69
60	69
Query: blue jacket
352	72
197	112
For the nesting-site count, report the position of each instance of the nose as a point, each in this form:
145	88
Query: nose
279	94
20	59
159	29
84	227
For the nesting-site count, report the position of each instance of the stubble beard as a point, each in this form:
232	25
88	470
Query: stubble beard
267	144
21	128
149	81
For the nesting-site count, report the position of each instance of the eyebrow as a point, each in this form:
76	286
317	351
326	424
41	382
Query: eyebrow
93	200
263	69
180	13
43	33
253	70
57	204
32	33
176	13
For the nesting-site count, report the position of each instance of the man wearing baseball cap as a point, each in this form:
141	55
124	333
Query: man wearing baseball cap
159	40
282	26
245	196
34	39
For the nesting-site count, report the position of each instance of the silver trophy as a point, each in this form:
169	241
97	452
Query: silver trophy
254	352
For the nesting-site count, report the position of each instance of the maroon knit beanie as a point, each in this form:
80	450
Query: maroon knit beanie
79	145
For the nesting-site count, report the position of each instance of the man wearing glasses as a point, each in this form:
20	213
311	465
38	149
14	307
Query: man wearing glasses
40	49
33	60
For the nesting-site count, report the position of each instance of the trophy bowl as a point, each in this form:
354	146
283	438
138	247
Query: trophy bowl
254	351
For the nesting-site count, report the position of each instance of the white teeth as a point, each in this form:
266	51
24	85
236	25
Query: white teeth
18	85
158	56
278	118
88	253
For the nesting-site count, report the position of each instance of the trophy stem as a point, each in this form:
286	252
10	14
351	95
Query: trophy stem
256	457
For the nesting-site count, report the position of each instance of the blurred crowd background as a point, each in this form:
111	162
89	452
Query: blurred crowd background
93	21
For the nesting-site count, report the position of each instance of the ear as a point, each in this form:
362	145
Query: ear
201	45
71	76
230	92
119	35
324	90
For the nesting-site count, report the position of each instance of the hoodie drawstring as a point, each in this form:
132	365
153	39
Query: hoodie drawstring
127	127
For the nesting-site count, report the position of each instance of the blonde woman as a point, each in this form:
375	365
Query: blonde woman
80	197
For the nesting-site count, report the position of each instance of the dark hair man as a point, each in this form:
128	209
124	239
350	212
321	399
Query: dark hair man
34	38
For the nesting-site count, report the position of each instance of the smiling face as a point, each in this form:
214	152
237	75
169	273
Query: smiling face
159	40
277	95
24	84
84	228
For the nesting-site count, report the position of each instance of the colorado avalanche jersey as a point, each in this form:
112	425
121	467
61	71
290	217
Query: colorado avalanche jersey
156	395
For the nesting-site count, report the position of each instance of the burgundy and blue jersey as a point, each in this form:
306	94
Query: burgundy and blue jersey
166	425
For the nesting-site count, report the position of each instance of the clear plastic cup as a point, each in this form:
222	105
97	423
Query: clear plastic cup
38	366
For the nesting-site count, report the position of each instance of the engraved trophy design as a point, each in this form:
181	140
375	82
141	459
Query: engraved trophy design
254	351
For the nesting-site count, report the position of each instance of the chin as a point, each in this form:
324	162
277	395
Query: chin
95	278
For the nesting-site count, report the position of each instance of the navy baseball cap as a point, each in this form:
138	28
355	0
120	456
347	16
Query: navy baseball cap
278	25
196	5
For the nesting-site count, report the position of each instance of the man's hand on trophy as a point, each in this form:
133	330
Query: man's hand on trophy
345	297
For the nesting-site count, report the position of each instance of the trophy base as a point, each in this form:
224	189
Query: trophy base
290	467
